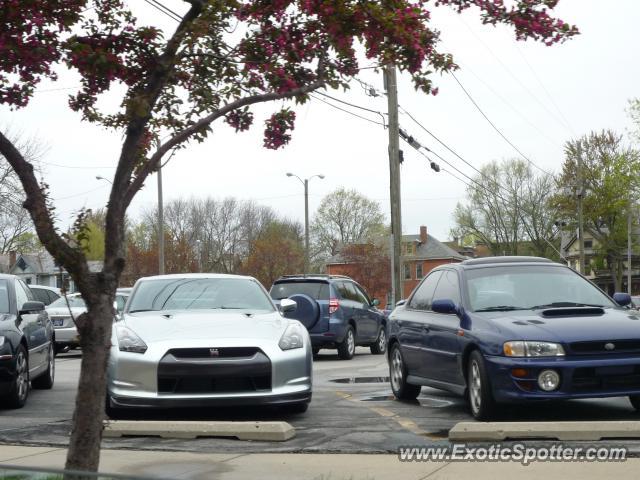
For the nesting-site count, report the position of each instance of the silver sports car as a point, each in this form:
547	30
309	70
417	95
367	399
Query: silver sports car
207	340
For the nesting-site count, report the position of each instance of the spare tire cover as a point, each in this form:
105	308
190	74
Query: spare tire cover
307	310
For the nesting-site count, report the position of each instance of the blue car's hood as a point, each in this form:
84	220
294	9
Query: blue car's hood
526	325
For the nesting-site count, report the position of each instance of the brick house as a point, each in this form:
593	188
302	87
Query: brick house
420	254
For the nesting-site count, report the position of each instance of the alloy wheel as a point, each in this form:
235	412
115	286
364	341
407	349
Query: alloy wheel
351	342
52	363
382	341
475	387
22	376
397	370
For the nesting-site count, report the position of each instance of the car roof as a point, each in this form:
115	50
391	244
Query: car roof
313	277
175	276
46	287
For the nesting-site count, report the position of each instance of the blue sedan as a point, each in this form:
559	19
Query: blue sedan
513	329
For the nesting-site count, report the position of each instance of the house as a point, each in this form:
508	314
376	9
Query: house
596	268
40	269
419	255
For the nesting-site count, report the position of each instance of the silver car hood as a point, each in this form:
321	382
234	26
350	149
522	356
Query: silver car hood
205	324
64	311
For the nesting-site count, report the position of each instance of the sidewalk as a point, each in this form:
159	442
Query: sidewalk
196	466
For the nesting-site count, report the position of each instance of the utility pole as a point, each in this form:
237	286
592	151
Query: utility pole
160	224
629	248
394	182
580	192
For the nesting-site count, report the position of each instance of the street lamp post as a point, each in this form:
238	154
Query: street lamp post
305	182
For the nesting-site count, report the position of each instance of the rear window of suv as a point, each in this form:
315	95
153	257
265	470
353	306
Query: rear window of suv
315	290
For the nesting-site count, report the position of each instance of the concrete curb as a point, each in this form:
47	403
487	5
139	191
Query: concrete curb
564	431
263	431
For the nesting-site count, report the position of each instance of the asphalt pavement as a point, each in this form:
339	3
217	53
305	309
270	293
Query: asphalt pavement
353	411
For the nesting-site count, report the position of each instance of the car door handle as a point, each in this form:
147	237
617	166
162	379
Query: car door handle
425	328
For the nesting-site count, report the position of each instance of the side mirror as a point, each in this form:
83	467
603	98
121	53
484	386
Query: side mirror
444	306
287	305
31	307
399	303
622	299
375	302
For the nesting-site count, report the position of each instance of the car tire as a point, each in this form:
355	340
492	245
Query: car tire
480	395
398	376
379	347
46	380
17	398
315	350
635	402
347	349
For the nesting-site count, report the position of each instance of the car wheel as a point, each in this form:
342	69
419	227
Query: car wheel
379	347
635	402
481	401
347	349
398	376
315	351
20	389
45	381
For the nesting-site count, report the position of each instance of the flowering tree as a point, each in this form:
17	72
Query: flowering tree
223	57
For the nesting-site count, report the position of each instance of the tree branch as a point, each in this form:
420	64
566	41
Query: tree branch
152	164
36	204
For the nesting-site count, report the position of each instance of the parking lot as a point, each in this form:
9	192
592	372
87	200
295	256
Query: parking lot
352	411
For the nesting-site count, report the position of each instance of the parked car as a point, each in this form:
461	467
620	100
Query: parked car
44	294
513	329
635	302
336	311
64	311
26	343
205	340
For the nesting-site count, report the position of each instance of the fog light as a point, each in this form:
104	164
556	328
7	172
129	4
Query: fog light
549	380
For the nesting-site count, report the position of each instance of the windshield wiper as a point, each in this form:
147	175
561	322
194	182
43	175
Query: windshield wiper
141	310
500	308
565	304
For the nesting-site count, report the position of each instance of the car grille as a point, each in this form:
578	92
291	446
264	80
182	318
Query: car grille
224	352
195	371
600	346
606	378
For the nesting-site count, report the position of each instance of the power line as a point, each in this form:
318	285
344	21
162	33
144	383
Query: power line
344	102
494	126
164	9
346	111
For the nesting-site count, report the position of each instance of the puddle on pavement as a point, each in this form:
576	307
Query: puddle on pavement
361	380
423	402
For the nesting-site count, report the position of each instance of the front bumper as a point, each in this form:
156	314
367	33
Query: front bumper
580	377
162	379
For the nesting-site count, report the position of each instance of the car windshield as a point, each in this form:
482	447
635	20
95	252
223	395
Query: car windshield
75	301
526	287
4	297
315	290
199	294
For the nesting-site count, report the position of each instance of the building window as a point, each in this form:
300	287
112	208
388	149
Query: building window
407	271
419	274
588	244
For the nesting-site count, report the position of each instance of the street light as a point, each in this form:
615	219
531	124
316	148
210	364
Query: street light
98	177
305	182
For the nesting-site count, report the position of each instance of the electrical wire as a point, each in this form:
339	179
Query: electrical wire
164	9
347	111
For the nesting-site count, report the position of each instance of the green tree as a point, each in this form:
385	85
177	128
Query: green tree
610	185
508	208
344	217
634	114
92	242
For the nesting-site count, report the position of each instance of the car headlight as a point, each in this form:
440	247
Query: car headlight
293	337
533	349
129	341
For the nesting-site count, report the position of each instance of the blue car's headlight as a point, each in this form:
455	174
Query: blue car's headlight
532	349
293	337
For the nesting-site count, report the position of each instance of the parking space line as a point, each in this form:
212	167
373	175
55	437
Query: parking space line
28	455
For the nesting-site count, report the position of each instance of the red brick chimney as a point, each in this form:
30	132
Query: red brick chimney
12	258
423	234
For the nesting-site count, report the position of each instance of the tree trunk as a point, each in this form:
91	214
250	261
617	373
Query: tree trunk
95	339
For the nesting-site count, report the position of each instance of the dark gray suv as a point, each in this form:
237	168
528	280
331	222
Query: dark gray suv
337	312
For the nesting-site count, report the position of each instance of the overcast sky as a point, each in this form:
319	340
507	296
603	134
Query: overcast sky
538	96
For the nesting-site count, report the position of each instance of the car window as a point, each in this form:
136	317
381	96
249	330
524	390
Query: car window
421	299
4	297
40	295
120	301
342	290
21	295
362	297
315	290
448	287
351	293
53	296
200	294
